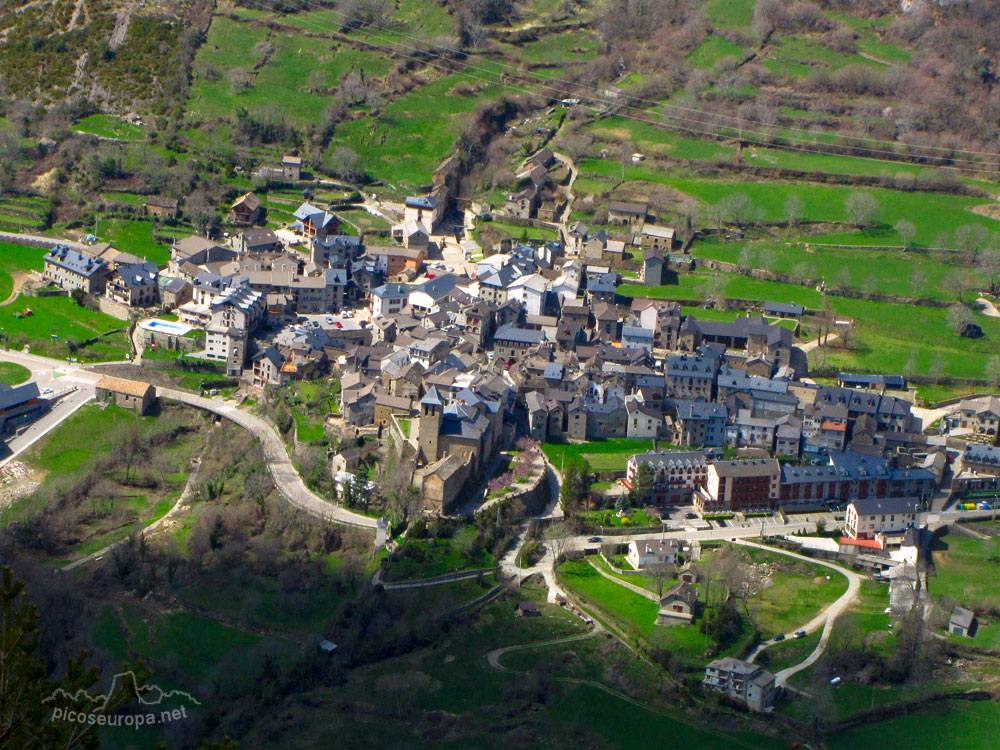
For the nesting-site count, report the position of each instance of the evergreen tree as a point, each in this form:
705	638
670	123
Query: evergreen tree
25	716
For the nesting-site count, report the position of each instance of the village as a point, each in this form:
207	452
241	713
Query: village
456	363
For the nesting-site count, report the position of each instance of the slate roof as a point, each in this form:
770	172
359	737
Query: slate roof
75	261
518	335
16	395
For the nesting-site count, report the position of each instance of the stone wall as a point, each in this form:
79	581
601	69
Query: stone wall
114	309
170	341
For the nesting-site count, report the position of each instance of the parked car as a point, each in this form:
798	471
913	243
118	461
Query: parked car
690	515
779	637
347	314
800	634
594	539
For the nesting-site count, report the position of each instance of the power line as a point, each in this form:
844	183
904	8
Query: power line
363	25
426	57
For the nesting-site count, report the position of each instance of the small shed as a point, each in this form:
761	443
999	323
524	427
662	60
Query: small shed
527	609
688	574
345	461
962	622
327	647
128	394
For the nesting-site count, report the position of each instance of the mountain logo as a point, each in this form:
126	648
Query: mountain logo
147	695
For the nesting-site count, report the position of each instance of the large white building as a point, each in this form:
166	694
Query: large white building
867	518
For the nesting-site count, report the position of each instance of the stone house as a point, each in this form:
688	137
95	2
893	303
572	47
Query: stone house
128	394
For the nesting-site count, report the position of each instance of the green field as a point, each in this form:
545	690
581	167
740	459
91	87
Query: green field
870	271
308	430
460	682
292	83
69	452
820	203
415	132
17	258
434	557
23	213
606	455
712	50
62	318
133	236
959	725
968	571
13	374
109	126
798	593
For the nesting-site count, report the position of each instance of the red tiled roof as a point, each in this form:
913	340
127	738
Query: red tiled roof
869	543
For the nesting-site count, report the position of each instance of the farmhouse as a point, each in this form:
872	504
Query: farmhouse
623	214
741	681
247	209
128	394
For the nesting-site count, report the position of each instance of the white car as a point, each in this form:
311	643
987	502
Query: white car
46	391
347	314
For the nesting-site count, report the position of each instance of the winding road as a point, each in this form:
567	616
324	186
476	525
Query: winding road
46	370
826	618
283	472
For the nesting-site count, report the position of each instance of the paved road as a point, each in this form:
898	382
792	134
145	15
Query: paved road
37	240
62	378
283	472
826	618
740	532
544	567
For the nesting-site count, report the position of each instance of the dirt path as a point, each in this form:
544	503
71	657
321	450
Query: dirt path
19	277
184	498
74	20
988	308
121	26
814	344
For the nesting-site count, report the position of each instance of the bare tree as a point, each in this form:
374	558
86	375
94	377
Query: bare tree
959	317
688	213
768	17
906	230
659	573
971	238
863	208
990	266
737	208
557	535
917	279
794	209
